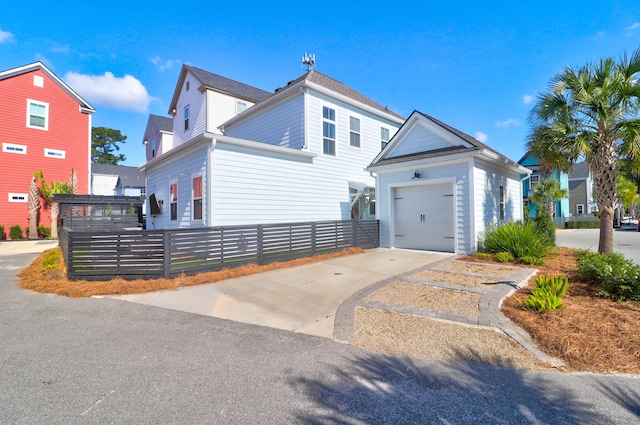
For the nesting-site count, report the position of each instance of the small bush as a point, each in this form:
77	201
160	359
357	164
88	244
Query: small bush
2	234
582	224
616	276
529	259
483	255
15	232
504	257
548	294
545	225
519	240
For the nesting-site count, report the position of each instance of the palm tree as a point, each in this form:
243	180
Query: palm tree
548	190
46	193
33	206
627	193
590	113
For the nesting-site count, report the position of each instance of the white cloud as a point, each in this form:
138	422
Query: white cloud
126	93
60	49
6	37
631	28
507	123
480	136
527	99
163	65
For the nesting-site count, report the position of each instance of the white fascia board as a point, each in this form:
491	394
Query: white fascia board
264	147
459	157
503	162
188	146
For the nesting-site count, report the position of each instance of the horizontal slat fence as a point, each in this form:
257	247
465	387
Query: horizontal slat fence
170	253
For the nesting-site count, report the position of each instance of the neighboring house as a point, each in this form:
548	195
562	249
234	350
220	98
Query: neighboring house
438	188
245	156
46	126
581	200
117	180
562	209
158	136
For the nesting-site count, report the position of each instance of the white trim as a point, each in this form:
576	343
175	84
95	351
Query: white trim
14	148
55	153
193	210
359	132
18	197
46	114
472	206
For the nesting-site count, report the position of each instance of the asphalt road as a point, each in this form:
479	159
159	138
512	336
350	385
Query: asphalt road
626	240
97	361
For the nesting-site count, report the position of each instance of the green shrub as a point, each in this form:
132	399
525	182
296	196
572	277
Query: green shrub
15	232
2	234
616	276
582	224
519	240
529	259
544	224
482	255
504	257
548	294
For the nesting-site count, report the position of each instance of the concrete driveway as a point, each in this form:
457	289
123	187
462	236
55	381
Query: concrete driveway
301	299
626	240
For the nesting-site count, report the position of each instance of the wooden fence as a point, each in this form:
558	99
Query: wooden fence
168	253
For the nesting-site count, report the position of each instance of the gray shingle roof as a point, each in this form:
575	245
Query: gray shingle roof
227	85
580	170
161	123
129	176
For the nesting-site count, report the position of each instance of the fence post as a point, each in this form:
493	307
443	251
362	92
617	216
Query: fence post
313	238
354	231
260	244
166	254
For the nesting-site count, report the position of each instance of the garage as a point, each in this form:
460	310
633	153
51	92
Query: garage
437	188
424	217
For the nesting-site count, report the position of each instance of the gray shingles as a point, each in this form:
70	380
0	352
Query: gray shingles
228	85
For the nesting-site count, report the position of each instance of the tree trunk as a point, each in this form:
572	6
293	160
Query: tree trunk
33	205
604	168
605	244
55	211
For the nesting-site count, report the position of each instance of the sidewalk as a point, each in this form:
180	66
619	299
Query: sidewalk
26	246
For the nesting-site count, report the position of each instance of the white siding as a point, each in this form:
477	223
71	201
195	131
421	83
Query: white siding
220	108
103	184
419	139
197	112
429	175
180	169
280	125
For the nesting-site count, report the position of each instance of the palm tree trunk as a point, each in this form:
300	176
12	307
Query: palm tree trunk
33	206
55	211
604	166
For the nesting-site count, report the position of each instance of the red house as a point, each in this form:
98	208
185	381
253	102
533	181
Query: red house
44	126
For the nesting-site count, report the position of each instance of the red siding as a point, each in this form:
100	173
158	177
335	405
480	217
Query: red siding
68	130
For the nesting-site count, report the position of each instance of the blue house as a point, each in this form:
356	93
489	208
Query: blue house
562	209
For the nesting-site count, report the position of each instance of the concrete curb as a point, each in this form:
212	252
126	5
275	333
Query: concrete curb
489	306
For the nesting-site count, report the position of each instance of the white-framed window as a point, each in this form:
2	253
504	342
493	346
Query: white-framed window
354	132
173	199
13	148
196	197
18	197
37	114
328	131
384	137
502	204
240	106
579	208
533	180
153	148
186	118
55	153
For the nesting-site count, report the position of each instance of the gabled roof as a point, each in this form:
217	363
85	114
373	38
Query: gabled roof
127	176
219	83
469	145
86	107
317	81
580	170
161	123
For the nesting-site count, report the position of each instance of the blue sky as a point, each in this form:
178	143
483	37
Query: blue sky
475	66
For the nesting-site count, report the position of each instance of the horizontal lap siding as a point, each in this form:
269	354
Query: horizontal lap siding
169	253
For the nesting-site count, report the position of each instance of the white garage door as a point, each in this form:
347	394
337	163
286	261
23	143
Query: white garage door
424	217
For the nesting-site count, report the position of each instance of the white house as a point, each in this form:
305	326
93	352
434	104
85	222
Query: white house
245	156
158	136
438	188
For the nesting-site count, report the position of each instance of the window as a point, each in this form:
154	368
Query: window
38	81
502	214
18	197
153	149
186	118
187	86
580	209
197	198
240	106
11	148
533	180
328	131
384	137
354	132
55	153
37	114
173	199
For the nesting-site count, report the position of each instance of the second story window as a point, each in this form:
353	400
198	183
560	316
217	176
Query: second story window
384	137
533	180
354	132
328	131
37	114
240	106
186	118
11	148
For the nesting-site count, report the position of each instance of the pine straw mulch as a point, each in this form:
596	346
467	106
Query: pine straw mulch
589	333
54	282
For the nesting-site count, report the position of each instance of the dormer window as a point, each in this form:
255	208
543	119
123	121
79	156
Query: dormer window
186	118
240	106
